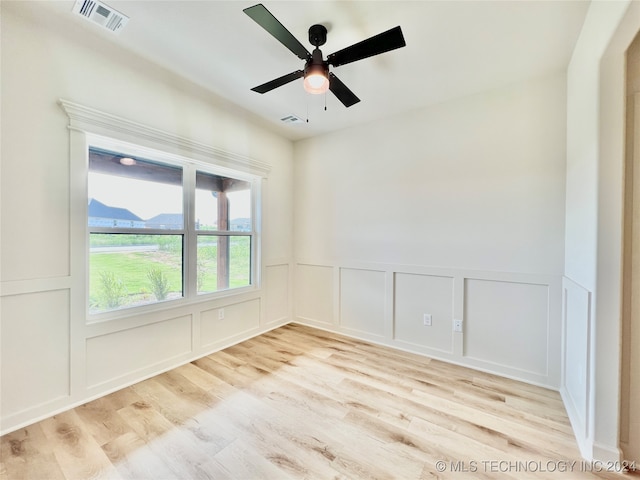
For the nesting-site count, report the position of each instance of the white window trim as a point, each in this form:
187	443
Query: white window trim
91	127
89	120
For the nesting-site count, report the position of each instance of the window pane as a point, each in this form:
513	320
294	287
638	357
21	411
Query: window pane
222	203
206	210
132	270
133	193
240	211
223	262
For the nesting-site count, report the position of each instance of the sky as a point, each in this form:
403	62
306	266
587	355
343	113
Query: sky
148	199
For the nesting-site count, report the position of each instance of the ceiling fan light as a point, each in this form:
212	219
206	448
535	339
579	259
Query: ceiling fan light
316	83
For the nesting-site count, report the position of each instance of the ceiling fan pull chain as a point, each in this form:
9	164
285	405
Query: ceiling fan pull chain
325	101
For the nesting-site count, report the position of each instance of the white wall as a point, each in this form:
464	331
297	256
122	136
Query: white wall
455	210
51	358
592	282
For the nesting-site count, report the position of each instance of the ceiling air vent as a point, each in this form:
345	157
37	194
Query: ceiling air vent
292	119
103	15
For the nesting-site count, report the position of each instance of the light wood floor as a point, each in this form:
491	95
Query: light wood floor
305	404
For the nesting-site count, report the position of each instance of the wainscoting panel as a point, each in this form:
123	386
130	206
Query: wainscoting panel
121	354
511	322
314	293
362	300
577	318
507	323
277	293
219	325
416	295
35	350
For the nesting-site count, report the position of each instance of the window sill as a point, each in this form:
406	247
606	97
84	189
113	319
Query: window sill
163	306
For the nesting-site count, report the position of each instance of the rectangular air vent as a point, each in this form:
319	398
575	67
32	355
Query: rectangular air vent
292	119
103	15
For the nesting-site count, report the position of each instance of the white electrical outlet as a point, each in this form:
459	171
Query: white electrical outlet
457	326
426	319
221	314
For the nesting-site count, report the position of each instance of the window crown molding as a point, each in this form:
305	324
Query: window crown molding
91	120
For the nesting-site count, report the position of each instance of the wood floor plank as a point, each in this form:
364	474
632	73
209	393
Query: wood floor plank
77	453
179	413
272	434
245	463
184	459
26	454
519	433
133	458
102	421
302	403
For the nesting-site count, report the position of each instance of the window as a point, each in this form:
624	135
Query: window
163	230
223	223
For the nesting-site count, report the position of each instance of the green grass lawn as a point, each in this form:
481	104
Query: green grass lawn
239	265
129	270
132	269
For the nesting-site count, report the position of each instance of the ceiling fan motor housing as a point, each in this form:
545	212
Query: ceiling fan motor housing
317	35
316	64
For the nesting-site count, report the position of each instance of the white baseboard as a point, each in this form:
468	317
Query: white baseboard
606	453
578	425
590	450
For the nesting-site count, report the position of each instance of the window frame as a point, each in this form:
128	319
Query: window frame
228	232
189	232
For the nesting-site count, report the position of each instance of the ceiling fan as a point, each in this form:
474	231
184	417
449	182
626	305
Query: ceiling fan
317	78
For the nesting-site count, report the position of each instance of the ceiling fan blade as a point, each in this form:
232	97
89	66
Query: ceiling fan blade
383	42
278	82
340	90
266	20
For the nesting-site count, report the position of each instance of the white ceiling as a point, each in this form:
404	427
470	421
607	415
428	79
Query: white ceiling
454	48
